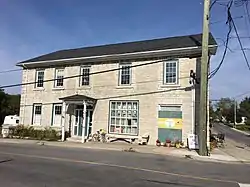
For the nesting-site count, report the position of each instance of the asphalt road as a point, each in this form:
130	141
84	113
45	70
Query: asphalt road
232	134
40	166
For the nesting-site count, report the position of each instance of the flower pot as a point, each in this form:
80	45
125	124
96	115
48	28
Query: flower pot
168	144
178	145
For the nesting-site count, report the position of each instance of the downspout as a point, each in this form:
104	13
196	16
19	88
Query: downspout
193	106
25	93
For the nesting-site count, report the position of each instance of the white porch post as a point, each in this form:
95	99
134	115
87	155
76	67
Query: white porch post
84	121
63	121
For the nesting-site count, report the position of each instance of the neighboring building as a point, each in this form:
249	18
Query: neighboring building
139	98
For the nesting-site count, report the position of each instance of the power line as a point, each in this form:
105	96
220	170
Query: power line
125	95
241	46
75	76
113	85
219	21
11	70
213	3
212	73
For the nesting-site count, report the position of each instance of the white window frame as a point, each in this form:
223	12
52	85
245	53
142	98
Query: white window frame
82	76
37	78
121	65
56	116
36	118
56	78
176	72
124	117
167	107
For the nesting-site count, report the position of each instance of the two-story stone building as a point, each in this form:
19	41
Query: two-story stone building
128	89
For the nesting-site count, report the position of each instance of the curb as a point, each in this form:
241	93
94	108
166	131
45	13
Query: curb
185	156
243	132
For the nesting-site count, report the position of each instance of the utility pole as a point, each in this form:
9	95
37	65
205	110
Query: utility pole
202	137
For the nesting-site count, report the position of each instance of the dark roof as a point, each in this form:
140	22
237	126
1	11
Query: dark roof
129	47
77	97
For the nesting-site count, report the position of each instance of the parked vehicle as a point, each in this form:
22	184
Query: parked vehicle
9	121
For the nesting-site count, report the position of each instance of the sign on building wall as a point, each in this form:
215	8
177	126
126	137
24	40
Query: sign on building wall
170	123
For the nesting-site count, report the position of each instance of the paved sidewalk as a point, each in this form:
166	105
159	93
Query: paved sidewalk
239	151
216	156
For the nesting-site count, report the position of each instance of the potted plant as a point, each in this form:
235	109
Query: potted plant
178	144
158	143
168	142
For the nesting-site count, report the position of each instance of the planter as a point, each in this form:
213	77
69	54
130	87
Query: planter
177	145
168	144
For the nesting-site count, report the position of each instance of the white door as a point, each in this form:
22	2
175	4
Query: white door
78	122
37	114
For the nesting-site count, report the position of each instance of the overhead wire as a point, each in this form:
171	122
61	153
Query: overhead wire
228	22
81	75
11	70
238	37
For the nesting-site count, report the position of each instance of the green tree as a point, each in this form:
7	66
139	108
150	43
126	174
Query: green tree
3	105
225	108
9	105
212	113
14	104
245	108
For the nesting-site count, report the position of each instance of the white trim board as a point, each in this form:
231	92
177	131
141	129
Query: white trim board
244	185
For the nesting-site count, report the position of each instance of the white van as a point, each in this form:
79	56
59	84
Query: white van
12	120
9	121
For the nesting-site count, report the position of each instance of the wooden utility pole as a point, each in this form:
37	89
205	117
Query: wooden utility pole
202	137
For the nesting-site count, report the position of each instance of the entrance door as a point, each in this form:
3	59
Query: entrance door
79	122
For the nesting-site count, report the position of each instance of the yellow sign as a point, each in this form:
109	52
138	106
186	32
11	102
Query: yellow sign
170	123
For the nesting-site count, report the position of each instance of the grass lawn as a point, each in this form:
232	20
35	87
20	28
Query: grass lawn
243	127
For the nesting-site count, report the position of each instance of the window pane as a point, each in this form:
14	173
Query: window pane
113	105
38	109
125	118
171	72
112	121
112	112
118	113
39	78
58	110
125	75
59	77
85	76
118	105
112	128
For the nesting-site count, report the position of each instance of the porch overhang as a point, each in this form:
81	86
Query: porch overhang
78	99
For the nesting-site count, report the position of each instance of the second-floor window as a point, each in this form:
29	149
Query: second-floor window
171	72
125	74
59	75
39	78
84	76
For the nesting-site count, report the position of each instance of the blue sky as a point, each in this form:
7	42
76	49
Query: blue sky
30	28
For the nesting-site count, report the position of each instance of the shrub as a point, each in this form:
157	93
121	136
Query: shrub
243	127
38	134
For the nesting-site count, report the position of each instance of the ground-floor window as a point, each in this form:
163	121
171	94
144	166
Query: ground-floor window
123	117
37	114
56	114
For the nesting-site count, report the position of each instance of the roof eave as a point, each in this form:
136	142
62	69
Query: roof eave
167	52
